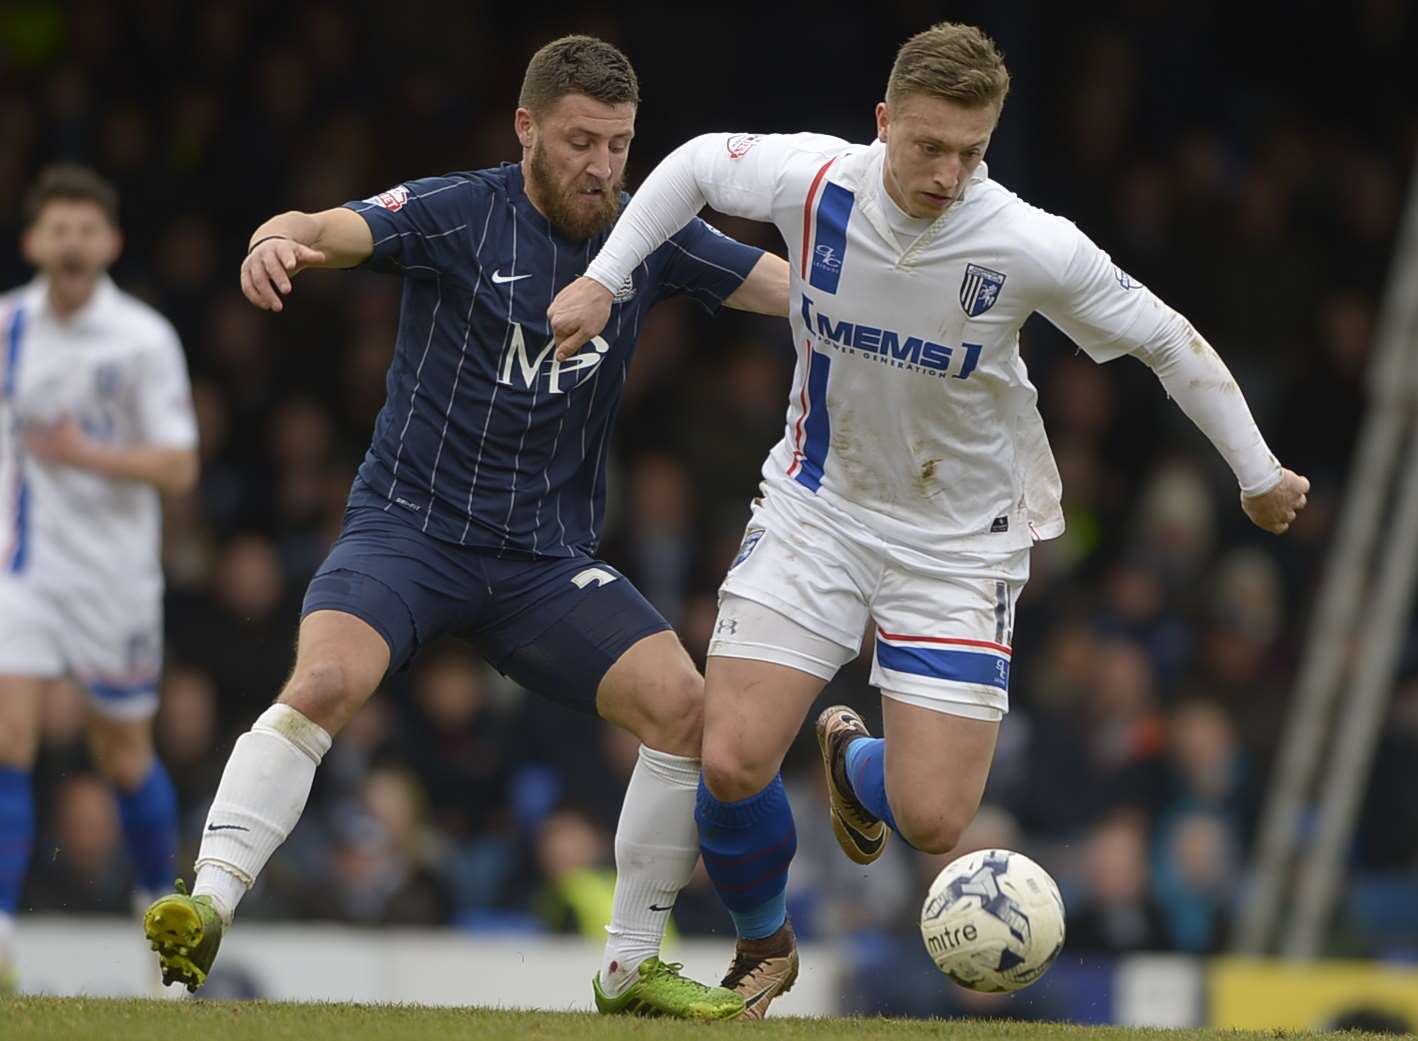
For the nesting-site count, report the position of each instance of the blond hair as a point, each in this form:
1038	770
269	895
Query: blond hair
952	61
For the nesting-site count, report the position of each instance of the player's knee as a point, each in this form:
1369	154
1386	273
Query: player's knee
931	828
18	748
730	773
122	750
324	692
674	714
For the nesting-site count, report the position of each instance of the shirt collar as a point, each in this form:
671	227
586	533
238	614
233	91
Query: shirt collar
87	316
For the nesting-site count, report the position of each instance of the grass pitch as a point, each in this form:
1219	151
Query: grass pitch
60	1019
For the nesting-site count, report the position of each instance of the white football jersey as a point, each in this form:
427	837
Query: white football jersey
117	367
911	411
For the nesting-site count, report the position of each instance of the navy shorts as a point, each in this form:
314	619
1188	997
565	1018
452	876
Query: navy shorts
554	625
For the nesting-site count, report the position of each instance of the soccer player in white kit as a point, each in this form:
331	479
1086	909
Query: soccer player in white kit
95	421
914	473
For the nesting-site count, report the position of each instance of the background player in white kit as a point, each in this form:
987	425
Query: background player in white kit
914	473
95	420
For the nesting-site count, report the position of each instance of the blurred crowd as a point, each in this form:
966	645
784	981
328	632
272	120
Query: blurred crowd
1156	641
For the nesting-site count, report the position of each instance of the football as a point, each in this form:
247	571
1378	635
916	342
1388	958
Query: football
993	920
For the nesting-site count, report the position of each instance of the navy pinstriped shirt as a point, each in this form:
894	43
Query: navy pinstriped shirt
485	439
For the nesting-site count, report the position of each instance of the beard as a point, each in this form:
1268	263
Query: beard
574	215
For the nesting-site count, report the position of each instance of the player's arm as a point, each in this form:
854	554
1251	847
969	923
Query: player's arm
289	243
1196	378
1108	314
171	470
706	170
765	290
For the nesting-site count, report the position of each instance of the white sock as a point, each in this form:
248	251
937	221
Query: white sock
261	796
7	936
656	848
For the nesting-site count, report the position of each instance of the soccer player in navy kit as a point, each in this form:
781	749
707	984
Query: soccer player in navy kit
478	506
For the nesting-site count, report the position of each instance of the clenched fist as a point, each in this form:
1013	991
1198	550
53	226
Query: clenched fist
579	312
1276	509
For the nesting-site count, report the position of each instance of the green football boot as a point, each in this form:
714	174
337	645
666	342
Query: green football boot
186	932
9	980
660	990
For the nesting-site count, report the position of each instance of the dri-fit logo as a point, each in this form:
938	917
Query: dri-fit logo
516	359
890	347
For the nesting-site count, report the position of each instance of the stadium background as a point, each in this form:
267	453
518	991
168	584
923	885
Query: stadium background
1246	161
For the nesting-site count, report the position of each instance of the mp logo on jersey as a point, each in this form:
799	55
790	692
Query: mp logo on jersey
530	368
979	289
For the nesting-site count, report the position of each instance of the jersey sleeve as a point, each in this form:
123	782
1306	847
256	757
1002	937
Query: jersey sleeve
165	395
1097	305
419	226
704	263
738	174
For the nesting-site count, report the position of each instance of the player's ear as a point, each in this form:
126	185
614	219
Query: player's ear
27	246
883	121
115	245
526	127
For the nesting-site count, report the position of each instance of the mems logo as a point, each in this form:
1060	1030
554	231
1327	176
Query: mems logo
518	362
891	347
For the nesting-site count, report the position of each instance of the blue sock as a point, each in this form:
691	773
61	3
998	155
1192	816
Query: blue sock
747	847
149	816
16	835
866	770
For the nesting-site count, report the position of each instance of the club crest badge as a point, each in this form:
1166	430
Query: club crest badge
979	289
750	543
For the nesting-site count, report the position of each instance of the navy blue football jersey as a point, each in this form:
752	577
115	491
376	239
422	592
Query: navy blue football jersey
485	439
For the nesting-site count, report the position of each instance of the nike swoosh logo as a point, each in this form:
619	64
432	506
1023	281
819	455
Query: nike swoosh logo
226	827
862	842
750	1002
657	907
499	278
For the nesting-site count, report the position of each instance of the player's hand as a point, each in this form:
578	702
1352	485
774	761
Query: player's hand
1276	509
267	270
579	312
62	442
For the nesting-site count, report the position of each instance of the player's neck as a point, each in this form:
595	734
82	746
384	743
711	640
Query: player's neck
65	304
530	189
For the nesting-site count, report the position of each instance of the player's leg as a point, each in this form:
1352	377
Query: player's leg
112	644
603	648
340	660
122	749
763	674
942	664
791	614
654	691
20	701
936	764
30	656
364	612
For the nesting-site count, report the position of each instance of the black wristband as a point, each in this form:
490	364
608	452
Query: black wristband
266	238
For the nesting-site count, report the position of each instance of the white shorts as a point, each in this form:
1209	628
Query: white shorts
942	636
110	643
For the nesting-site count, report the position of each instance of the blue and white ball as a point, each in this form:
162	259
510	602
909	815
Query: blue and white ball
993	920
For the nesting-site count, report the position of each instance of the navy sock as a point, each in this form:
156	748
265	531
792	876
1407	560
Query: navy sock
16	835
747	847
149	817
866	770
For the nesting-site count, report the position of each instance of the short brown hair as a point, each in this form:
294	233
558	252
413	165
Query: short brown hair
578	65
952	61
72	182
